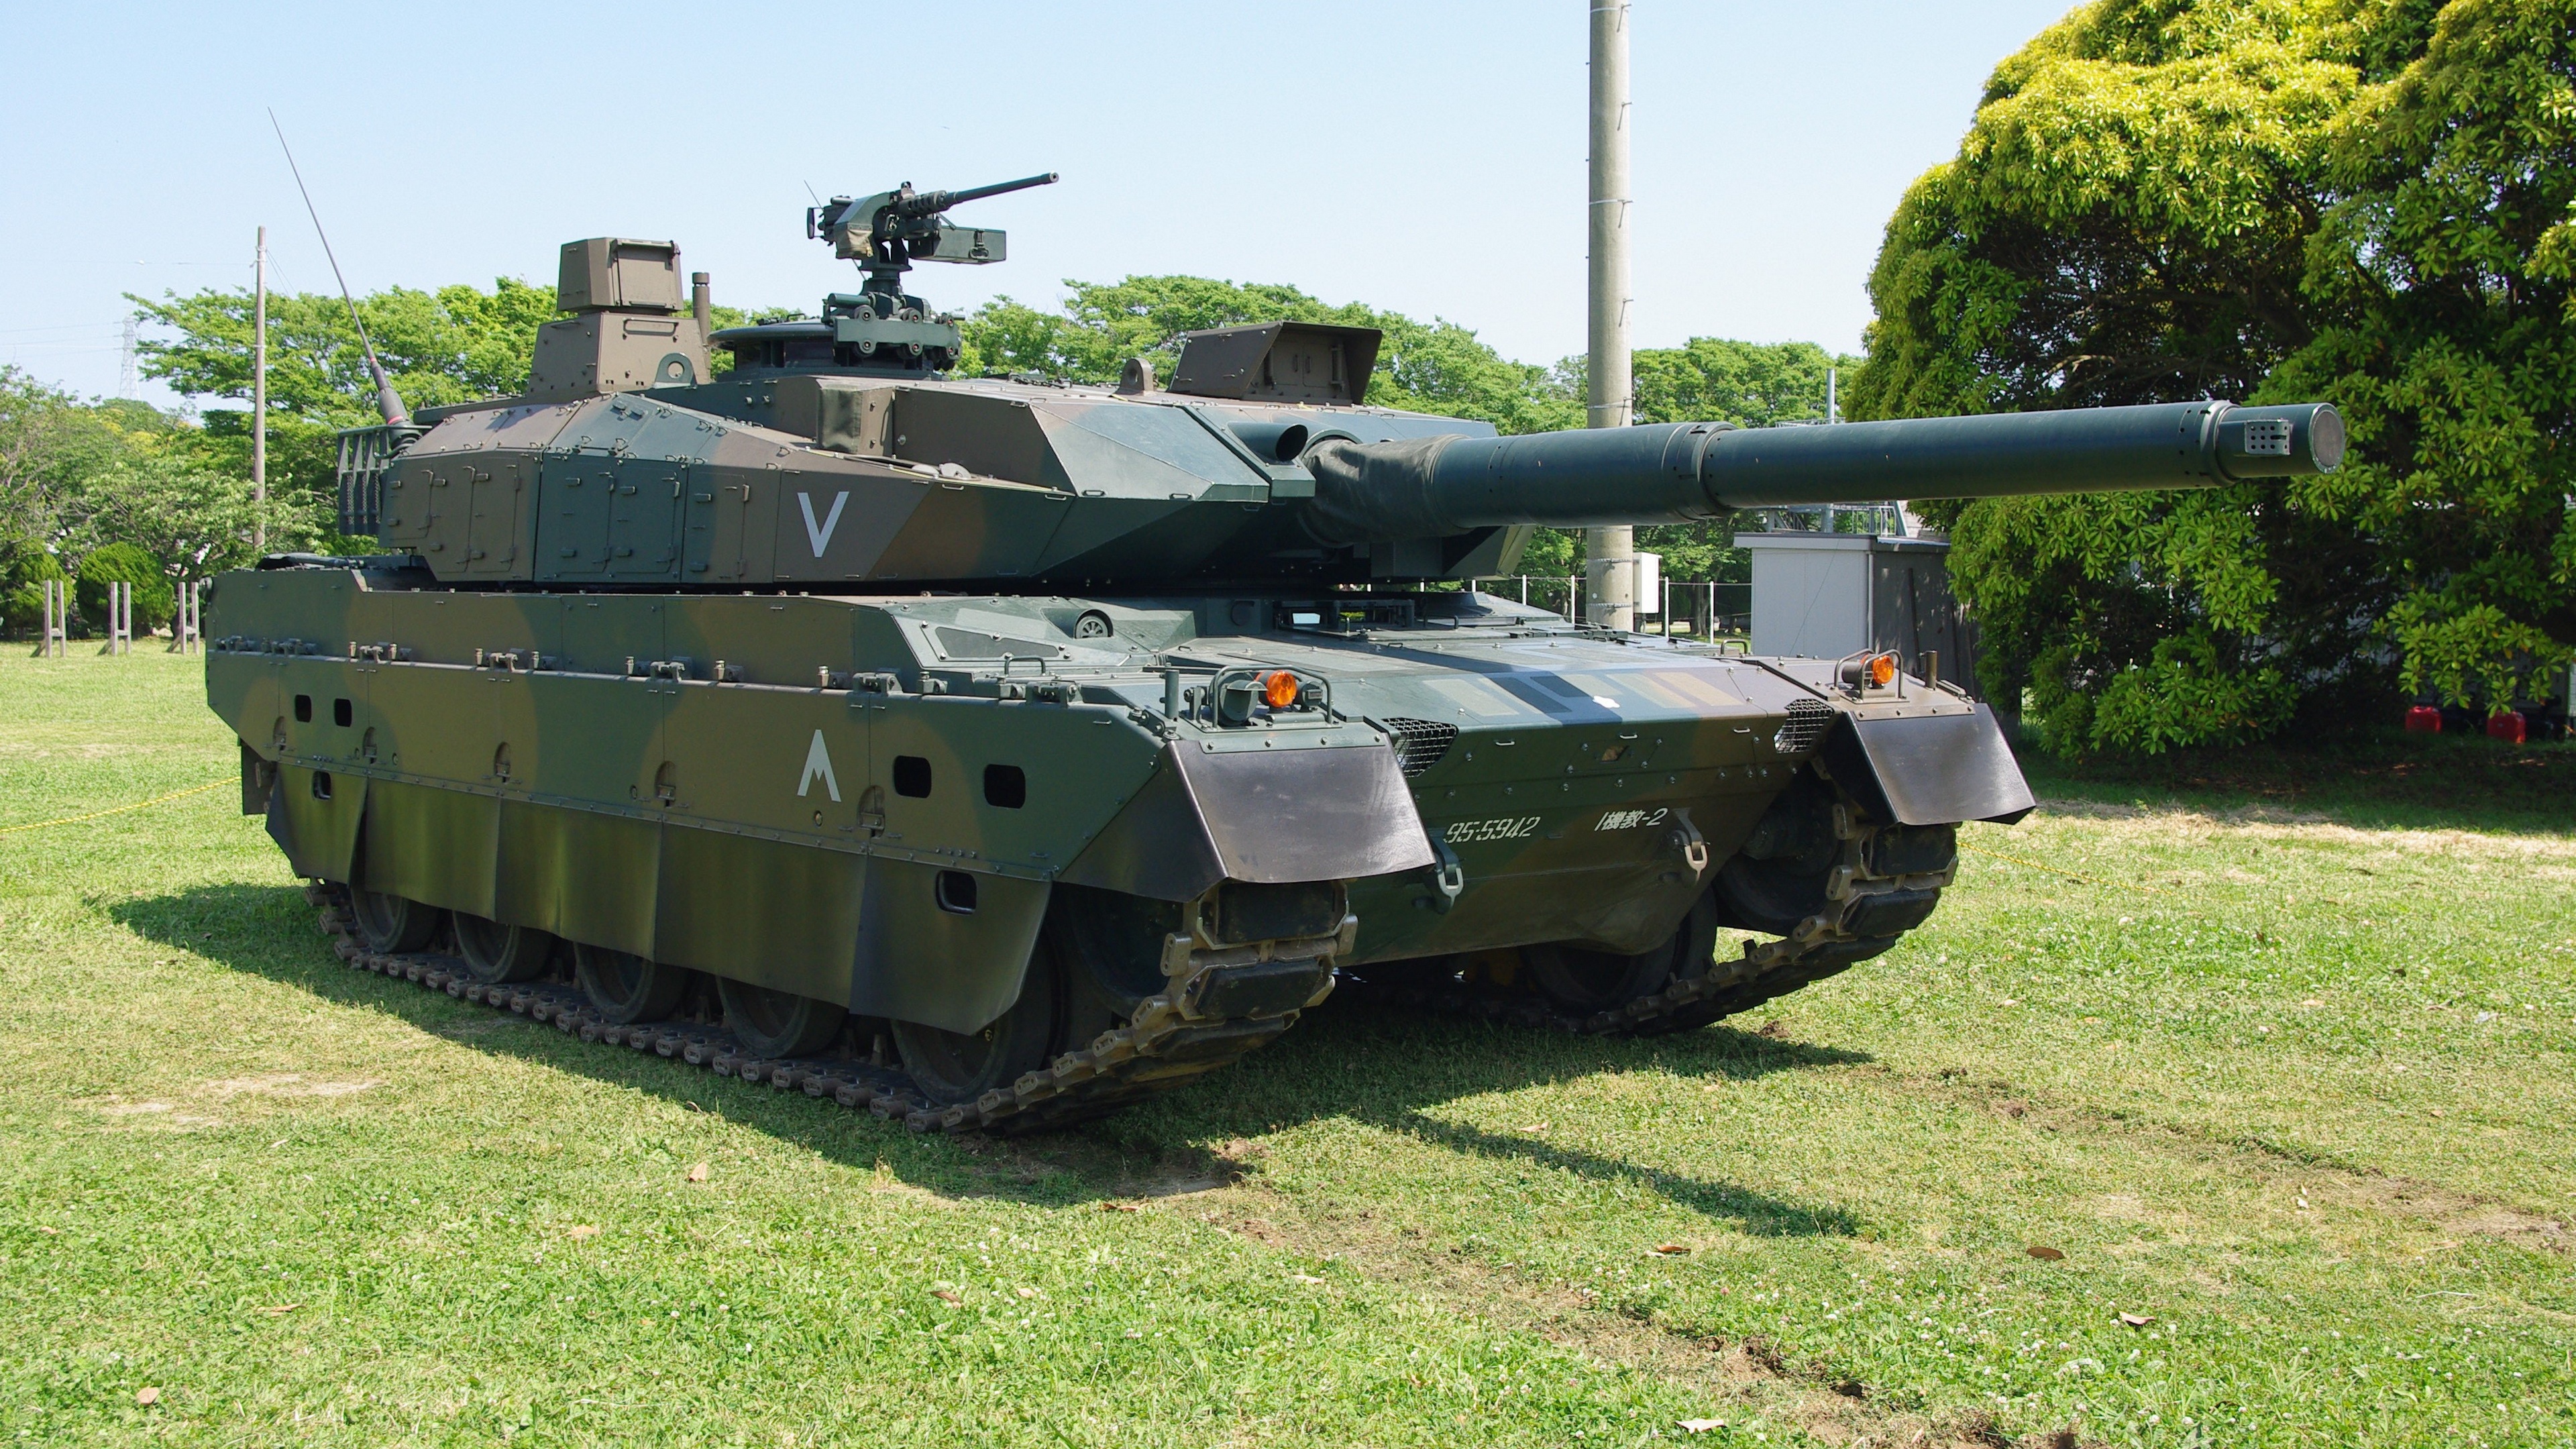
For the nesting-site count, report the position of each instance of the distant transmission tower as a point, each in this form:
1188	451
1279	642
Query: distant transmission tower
125	367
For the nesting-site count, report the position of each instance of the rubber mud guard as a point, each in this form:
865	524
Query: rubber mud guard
1262	818
1269	988
1929	769
1890	913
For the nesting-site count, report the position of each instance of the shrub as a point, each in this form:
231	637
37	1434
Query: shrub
124	563
25	566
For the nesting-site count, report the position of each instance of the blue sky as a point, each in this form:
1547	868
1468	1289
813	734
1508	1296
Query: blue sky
1425	157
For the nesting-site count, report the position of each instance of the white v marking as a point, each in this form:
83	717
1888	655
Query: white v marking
820	534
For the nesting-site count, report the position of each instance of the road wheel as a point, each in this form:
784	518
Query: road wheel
625	988
496	953
779	1023
1583	981
389	924
953	1067
1779	876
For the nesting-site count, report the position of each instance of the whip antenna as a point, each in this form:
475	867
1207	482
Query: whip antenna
388	402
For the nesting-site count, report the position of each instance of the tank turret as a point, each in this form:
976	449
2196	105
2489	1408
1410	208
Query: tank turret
833	453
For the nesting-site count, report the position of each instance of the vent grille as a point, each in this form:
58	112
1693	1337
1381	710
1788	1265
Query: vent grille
1419	743
1804	726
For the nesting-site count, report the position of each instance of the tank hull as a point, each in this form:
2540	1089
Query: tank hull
882	802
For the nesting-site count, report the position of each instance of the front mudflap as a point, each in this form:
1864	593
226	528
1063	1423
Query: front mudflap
1928	769
1337	813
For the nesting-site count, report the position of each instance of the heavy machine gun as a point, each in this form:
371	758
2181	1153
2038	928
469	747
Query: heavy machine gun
885	234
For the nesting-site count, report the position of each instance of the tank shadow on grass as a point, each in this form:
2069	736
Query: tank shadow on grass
1384	1072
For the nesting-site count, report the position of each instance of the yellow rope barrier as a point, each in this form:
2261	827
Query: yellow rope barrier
119	810
2060	870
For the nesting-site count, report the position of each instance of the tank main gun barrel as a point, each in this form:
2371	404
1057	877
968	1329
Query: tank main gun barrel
928	203
1681	472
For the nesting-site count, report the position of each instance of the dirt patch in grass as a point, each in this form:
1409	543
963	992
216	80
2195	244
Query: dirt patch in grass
149	1115
284	1084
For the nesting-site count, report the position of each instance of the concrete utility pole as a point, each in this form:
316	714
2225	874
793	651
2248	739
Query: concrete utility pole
1610	553
259	397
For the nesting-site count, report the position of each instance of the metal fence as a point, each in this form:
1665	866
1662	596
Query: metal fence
1699	609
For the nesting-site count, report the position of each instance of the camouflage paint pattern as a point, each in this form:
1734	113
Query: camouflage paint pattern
714	780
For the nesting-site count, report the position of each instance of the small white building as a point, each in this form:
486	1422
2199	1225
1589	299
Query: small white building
1828	595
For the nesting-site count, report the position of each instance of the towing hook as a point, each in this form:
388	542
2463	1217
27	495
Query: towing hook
1448	877
1686	839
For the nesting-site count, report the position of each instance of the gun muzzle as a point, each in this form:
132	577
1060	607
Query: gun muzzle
1682	472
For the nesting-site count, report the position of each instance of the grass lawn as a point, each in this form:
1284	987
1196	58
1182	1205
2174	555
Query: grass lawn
2285	1079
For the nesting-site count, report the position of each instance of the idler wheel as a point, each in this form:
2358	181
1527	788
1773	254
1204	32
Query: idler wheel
496	953
389	923
779	1023
625	988
952	1067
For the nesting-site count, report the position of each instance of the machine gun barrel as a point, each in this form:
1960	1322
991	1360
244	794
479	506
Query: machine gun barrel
1680	472
930	202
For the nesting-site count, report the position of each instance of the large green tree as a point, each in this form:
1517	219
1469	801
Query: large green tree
453	345
2366	201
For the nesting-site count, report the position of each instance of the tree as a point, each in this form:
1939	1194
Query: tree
48	441
199	519
454	345
2267	200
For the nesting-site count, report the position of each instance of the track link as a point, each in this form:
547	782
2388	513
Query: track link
1163	1046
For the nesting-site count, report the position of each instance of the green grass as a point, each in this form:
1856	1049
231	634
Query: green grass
2293	1084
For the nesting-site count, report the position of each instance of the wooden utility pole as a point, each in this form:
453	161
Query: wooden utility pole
1609	553
259	397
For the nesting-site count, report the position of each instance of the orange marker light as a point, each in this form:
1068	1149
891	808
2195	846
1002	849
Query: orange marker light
1882	670
1280	689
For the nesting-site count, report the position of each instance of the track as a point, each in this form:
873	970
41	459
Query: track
1184	1032
1169	1041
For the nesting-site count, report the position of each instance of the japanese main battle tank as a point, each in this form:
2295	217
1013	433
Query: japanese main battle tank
990	751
